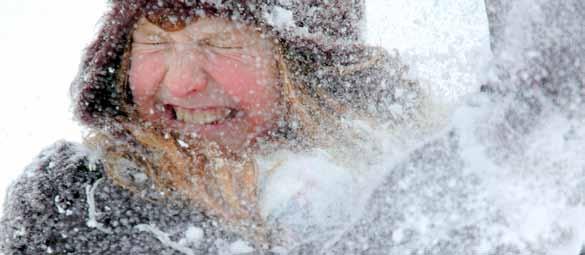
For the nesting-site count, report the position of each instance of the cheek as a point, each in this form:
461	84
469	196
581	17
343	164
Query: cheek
253	83
145	74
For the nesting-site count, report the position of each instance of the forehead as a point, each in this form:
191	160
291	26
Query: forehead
202	25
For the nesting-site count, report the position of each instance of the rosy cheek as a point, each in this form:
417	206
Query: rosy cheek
146	72
252	83
255	86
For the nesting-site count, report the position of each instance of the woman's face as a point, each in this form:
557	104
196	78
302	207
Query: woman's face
213	79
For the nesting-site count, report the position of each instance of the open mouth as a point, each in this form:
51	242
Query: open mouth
206	116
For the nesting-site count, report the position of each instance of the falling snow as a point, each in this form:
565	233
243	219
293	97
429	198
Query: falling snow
499	171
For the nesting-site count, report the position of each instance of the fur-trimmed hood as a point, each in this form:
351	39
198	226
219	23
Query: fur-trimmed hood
313	34
321	43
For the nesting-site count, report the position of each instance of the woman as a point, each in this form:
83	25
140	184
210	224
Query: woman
183	100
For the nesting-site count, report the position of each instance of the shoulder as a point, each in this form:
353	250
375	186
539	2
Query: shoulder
64	203
61	158
58	167
40	198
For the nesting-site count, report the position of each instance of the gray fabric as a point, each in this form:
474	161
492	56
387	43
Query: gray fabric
47	212
539	62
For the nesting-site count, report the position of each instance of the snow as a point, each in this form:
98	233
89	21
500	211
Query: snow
92	222
41	47
530	197
447	46
165	238
280	18
240	247
446	43
193	235
308	192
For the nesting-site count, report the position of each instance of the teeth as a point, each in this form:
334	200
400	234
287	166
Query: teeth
202	117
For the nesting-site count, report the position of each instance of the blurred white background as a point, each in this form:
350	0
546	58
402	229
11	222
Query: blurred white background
40	45
446	43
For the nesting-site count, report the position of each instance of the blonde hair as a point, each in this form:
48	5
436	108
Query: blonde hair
221	183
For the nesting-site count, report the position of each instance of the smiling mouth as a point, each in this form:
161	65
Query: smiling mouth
207	116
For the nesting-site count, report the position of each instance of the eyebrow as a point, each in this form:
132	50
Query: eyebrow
165	21
148	27
223	33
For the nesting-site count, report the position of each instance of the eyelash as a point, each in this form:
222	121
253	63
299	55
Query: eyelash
218	46
149	44
154	43
206	43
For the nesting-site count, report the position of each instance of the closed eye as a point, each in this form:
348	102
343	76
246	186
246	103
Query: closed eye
151	43
149	47
220	44
149	39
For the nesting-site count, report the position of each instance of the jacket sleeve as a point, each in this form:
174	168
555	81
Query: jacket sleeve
38	212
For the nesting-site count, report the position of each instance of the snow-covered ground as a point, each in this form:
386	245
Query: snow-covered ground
41	44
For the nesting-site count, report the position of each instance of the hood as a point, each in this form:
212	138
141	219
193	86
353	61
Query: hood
321	42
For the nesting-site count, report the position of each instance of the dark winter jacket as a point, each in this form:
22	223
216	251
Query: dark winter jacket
64	204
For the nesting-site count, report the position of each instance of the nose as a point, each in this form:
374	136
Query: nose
185	74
